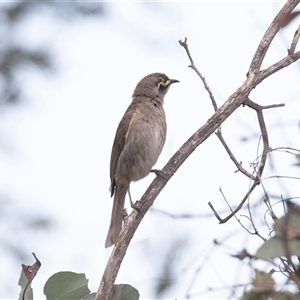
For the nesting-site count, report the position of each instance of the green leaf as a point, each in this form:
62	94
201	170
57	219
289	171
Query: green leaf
263	281
268	295
66	285
274	247
287	238
289	224
90	296
297	296
125	292
253	295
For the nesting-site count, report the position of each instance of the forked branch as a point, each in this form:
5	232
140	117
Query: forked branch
255	76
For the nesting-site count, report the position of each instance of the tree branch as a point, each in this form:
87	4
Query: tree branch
278	66
269	35
294	41
193	66
266	149
232	157
234	101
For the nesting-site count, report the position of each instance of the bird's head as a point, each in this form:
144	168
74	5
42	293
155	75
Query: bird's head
154	85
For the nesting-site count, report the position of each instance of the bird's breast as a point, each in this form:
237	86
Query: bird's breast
145	139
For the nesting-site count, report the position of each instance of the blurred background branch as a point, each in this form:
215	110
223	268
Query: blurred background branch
15	55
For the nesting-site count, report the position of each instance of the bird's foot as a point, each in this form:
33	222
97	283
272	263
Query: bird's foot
137	205
124	215
159	173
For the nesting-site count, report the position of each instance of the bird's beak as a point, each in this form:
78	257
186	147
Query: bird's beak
173	81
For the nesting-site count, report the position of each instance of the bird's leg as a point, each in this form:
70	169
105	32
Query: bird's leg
135	205
124	215
159	173
131	203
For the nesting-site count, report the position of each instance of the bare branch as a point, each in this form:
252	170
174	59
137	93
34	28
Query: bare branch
181	216
266	150
193	66
213	123
253	225
269	36
232	157
273	106
278	66
259	109
237	208
294	41
218	131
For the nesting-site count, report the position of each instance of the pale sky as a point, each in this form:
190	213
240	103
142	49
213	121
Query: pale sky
62	134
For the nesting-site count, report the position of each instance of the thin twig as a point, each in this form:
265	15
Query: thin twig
277	66
239	221
266	150
232	157
193	66
218	132
224	220
294	41
180	216
253	225
287	150
273	106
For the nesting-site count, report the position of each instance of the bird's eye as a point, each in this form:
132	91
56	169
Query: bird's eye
163	83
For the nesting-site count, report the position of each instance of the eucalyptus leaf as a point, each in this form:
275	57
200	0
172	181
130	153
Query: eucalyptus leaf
125	292
275	247
66	285
91	296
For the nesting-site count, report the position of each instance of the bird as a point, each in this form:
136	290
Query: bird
138	142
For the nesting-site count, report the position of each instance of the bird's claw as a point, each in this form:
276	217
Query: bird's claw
160	173
124	214
137	205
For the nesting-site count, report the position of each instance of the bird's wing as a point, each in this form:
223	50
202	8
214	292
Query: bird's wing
119	143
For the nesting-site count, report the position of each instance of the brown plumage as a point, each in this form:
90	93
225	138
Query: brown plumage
138	143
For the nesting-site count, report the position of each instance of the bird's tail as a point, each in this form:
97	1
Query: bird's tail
116	216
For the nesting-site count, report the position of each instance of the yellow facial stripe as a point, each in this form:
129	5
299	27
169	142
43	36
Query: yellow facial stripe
164	83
